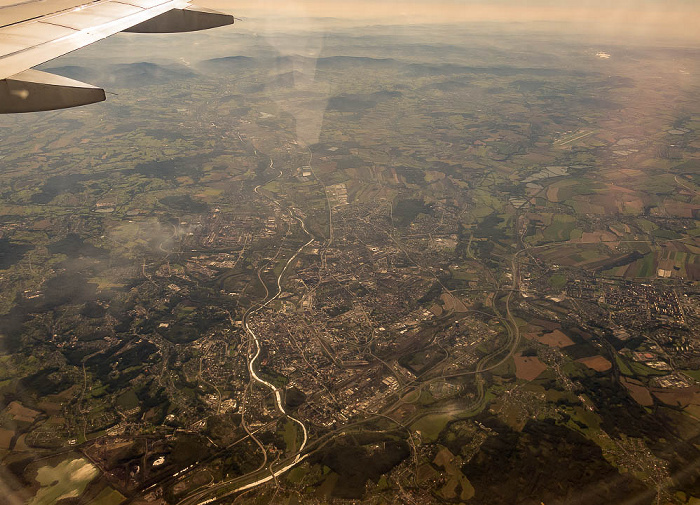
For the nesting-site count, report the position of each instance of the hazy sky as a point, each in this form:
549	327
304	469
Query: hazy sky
677	19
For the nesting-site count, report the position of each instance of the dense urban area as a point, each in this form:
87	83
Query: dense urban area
394	271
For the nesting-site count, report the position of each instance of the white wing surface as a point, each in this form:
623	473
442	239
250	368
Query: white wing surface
37	31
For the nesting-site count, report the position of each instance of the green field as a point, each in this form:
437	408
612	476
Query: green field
108	496
560	229
68	479
431	425
290	436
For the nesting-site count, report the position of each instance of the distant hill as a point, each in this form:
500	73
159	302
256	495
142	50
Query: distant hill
84	74
290	79
332	61
125	75
227	64
144	74
291	63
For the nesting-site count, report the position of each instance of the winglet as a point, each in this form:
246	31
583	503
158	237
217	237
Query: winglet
191	19
33	91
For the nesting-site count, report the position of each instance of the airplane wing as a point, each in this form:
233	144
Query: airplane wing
36	31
